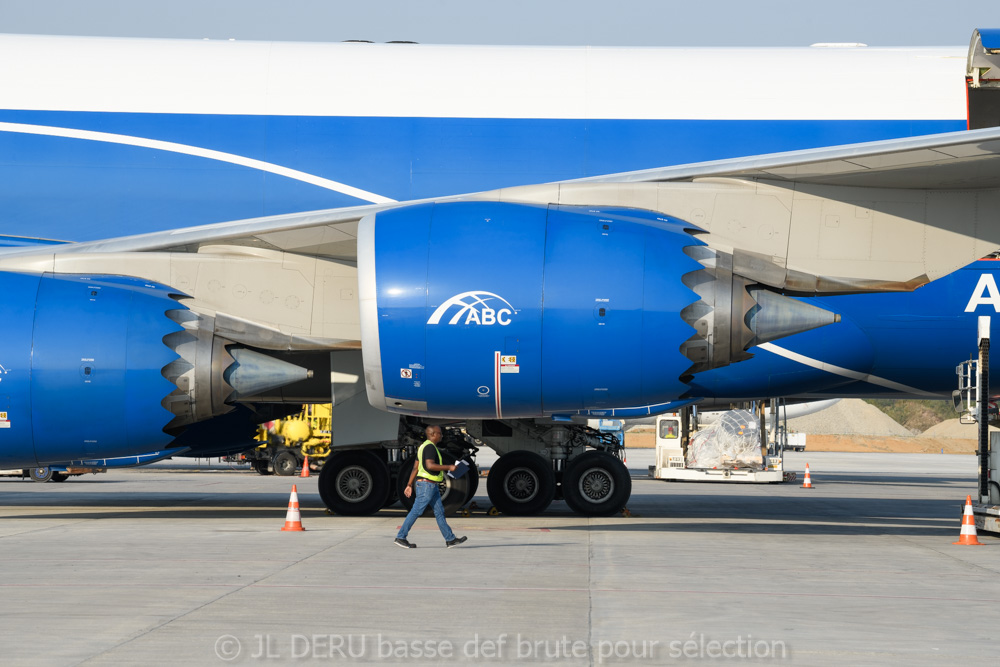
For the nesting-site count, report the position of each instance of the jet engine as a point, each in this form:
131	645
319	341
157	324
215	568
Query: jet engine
107	366
486	309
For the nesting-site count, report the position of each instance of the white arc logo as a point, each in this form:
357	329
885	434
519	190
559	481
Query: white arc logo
473	306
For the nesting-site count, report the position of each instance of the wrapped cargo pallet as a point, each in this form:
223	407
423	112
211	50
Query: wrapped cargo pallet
732	442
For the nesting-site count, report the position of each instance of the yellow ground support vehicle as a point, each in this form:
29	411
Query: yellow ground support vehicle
286	442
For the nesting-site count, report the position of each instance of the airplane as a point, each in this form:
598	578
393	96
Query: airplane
199	236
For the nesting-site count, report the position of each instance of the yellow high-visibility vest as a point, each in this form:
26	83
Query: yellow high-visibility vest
424	472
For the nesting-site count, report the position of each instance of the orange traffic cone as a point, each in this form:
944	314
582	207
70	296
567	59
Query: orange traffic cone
807	482
968	535
305	467
293	520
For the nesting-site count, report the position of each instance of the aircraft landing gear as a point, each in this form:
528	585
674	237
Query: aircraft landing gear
521	483
541	461
354	483
596	484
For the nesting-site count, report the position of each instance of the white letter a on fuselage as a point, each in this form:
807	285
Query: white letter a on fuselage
989	285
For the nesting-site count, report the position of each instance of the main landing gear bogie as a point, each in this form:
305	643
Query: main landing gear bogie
575	464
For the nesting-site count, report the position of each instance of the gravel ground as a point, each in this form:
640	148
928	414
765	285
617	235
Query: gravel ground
851	416
952	428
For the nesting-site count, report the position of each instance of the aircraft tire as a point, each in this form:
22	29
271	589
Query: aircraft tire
596	484
285	463
354	483
455	493
392	498
473	476
521	484
42	474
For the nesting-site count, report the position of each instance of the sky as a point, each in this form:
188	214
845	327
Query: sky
556	22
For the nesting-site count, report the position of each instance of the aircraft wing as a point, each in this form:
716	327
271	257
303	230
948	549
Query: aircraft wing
956	160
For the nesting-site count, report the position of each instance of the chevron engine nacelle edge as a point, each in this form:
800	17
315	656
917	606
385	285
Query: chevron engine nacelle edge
480	309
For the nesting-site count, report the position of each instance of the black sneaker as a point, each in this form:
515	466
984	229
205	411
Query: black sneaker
455	542
400	542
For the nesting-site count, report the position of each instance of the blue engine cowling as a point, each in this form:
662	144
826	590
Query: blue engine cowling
80	368
480	309
97	367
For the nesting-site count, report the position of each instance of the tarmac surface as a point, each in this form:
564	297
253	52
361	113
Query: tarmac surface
176	564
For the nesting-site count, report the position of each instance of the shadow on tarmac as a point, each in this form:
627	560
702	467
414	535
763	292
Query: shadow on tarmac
687	513
775	527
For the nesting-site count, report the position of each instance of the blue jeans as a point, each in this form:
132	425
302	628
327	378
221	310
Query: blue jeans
428	493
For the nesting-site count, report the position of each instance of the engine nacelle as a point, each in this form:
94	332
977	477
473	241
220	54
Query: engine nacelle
80	362
510	310
106	366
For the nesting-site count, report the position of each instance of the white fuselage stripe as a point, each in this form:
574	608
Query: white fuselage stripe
98	74
843	372
155	144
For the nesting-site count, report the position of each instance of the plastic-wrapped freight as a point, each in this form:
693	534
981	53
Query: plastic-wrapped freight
731	442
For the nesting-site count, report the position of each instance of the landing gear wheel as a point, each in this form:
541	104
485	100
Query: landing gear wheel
59	477
521	483
285	463
261	467
43	474
473	475
354	483
597	484
392	498
454	492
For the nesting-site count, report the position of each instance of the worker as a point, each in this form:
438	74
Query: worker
428	472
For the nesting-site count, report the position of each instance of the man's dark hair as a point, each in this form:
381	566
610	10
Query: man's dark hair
427	431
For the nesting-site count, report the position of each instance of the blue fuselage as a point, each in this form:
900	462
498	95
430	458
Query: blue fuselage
75	189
